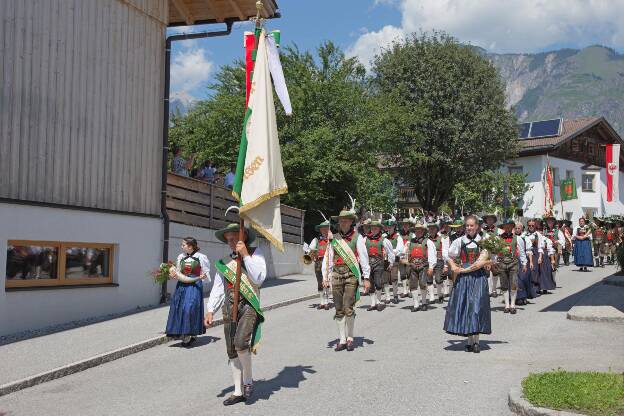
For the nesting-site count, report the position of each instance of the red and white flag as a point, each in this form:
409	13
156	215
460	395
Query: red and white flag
549	198
613	171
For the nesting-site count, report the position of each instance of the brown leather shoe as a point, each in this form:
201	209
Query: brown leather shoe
350	346
340	347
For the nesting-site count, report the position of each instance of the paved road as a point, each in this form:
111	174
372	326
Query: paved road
405	363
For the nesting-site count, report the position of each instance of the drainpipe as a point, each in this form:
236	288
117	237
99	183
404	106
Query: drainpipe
165	135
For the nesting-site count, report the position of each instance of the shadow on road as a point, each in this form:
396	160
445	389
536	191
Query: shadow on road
458	344
289	377
199	342
357	342
278	282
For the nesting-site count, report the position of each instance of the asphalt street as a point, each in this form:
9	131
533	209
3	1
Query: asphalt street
404	363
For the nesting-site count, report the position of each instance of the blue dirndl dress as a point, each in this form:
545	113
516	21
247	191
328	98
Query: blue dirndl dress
186	313
525	287
468	311
583	253
545	278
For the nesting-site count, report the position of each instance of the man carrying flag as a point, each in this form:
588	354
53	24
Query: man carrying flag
345	255
258	184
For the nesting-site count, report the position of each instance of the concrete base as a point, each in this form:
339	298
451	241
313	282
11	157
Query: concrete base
603	303
595	313
521	406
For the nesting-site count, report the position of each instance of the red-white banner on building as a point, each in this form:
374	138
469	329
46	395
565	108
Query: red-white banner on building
549	198
613	171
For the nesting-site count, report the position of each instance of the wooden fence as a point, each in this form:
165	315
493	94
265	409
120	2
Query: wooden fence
201	204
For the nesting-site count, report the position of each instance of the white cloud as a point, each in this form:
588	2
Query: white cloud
371	43
509	25
190	69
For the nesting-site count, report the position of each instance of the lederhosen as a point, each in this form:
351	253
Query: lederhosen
392	274
418	263
438	270
404	263
344	282
247	317
598	241
507	263
318	262
376	251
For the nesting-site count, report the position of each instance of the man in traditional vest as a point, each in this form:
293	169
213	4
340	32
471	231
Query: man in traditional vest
489	230
392	274
421	255
243	336
599	237
611	240
566	229
555	235
506	265
379	249
406	236
318	246
345	255
440	271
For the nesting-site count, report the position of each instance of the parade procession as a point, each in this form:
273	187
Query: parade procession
274	207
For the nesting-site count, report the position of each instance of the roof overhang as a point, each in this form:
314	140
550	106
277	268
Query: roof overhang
200	12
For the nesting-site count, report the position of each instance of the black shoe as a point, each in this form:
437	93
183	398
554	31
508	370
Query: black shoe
441	300
468	348
381	307
403	295
409	295
371	308
233	400
513	311
424	307
340	347
350	346
495	295
476	348
415	309
506	310
395	300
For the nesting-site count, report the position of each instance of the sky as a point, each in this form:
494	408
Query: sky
362	27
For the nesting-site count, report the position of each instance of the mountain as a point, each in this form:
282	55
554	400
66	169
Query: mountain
565	83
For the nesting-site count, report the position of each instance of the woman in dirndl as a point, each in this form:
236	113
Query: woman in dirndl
582	246
468	312
186	313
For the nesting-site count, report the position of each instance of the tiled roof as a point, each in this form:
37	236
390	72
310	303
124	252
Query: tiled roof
570	128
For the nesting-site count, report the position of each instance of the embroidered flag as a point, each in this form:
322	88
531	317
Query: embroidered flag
548	190
567	189
613	171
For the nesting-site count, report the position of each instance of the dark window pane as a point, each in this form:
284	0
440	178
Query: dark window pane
31	262
86	262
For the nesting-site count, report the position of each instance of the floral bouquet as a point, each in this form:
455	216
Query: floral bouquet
161	275
493	245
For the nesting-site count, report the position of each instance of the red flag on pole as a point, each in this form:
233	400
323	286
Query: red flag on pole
549	197
249	48
613	171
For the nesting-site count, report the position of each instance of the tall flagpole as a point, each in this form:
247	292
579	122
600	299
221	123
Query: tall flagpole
241	224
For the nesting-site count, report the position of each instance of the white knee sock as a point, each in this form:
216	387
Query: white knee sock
469	340
245	360
475	338
342	329
447	286
494	283
322	297
405	284
423	295
506	295
439	288
415	298
514	293
350	324
430	293
373	298
387	291
237	376
395	288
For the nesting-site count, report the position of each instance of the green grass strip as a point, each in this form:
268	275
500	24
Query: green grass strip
590	393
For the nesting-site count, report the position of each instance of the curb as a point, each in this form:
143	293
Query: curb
577	314
109	356
520	406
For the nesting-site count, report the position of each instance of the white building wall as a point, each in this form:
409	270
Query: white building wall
534	167
137	250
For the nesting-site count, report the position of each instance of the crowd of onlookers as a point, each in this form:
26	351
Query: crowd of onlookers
205	171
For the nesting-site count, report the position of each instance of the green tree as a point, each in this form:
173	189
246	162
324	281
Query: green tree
459	124
487	192
331	143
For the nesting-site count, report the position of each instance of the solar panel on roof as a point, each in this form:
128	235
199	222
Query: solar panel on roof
546	128
523	130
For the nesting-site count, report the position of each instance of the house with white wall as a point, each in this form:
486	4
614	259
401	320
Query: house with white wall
576	149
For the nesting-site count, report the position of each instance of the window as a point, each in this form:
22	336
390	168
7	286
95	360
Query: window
555	174
46	263
589	213
569	174
588	183
515	169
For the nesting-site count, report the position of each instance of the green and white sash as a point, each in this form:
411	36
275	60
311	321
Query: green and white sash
342	249
246	290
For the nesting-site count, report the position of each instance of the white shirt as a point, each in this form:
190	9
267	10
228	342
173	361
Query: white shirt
528	242
398	251
445	247
255	265
362	254
432	255
204	263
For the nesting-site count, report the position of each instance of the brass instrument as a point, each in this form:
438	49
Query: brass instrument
307	259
